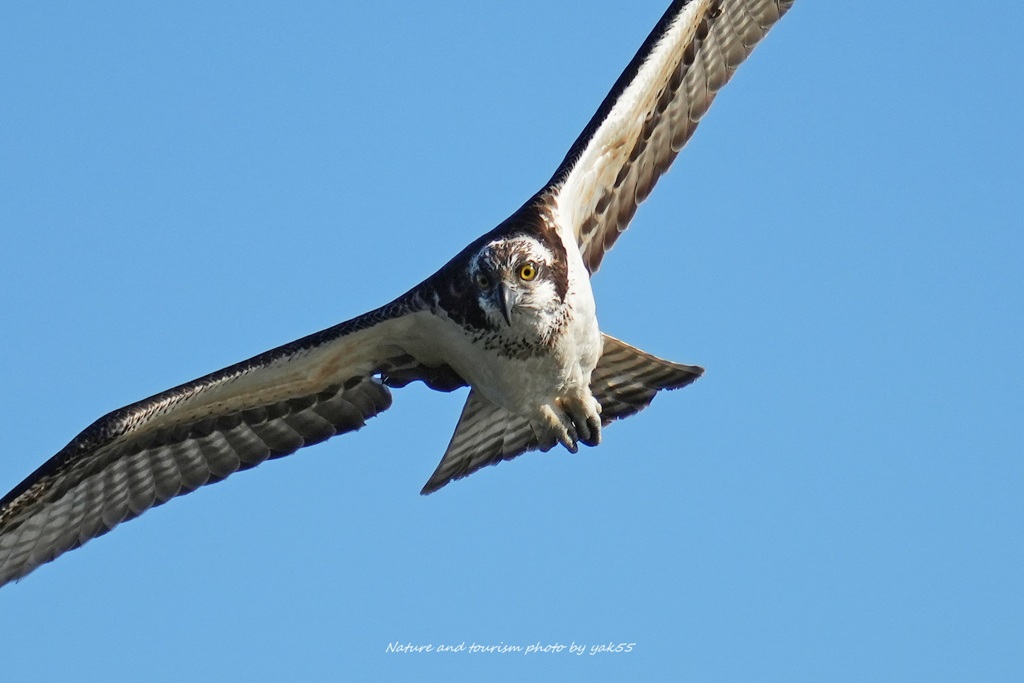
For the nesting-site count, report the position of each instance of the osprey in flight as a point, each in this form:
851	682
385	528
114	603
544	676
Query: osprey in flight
512	316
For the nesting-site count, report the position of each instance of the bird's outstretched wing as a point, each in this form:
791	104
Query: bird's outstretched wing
624	382
170	444
650	113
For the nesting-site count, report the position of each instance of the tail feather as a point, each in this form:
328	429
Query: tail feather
626	379
624	382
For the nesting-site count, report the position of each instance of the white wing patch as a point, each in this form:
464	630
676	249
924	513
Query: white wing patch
651	113
171	444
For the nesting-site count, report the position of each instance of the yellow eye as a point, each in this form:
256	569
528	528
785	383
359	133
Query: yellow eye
527	271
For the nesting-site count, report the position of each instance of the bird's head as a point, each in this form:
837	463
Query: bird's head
515	282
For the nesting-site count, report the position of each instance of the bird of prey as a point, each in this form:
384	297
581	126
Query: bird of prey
512	316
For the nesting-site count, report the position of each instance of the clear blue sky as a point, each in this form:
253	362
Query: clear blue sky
840	498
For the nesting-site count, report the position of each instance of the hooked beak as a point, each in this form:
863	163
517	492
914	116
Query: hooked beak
507	298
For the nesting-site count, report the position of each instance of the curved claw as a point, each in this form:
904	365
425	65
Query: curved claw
584	413
593	434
